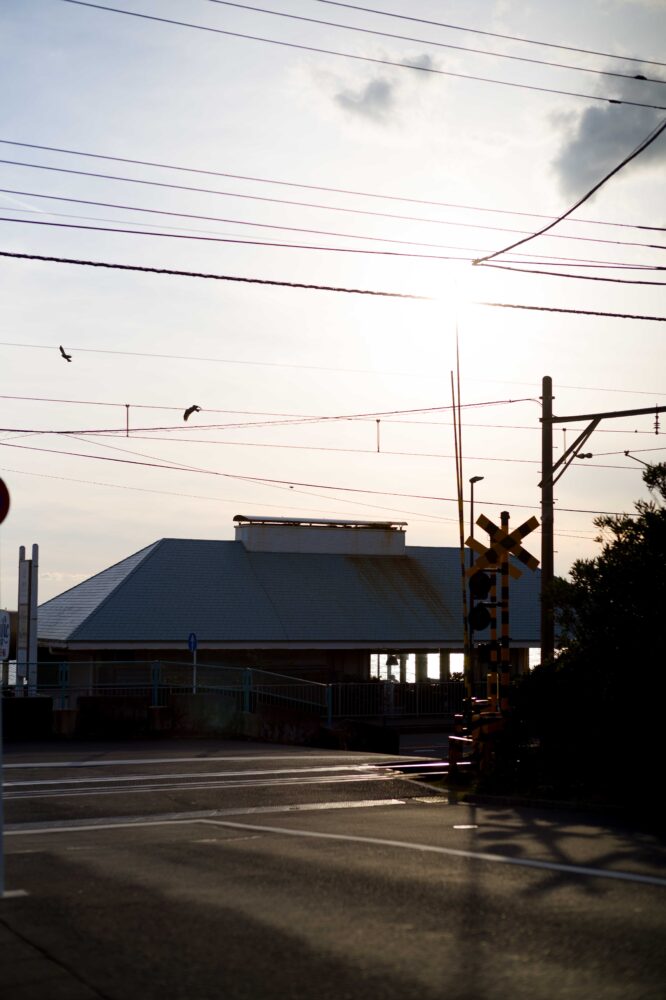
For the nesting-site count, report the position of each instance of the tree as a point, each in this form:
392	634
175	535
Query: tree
592	715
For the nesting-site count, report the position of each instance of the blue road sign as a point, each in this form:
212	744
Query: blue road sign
192	642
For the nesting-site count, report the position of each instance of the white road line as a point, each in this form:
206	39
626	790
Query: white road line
185	819
196	774
502	859
190	786
37	765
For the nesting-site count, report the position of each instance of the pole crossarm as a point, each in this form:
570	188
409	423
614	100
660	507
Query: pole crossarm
610	413
568	456
550	474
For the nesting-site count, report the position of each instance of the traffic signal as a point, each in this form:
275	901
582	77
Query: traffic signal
479	585
479	588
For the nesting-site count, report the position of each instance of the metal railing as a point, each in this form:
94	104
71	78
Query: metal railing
249	688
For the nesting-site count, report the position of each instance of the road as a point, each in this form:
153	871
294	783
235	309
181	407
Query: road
238	870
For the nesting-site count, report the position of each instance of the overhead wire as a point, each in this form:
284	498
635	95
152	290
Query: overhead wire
489	34
437	44
278	482
238	241
642	146
90	437
318	232
346	209
310	187
174	272
369	59
573	312
580	277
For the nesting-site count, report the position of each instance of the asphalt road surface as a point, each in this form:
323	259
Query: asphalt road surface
239	870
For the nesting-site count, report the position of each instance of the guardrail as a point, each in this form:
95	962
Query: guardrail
250	688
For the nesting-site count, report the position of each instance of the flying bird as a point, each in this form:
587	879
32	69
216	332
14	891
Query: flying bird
66	356
190	410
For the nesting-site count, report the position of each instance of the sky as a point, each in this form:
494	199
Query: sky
341	159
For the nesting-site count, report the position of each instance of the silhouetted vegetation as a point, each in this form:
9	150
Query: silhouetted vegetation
588	726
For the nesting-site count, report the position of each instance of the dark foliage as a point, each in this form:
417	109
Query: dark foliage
588	726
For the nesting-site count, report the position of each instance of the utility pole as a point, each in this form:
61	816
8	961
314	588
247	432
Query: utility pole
547	521
550	474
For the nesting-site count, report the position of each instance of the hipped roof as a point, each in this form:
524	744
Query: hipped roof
234	598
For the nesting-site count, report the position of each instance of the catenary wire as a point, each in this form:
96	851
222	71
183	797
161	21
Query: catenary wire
370	59
282	482
489	34
440	45
581	533
282	364
311	187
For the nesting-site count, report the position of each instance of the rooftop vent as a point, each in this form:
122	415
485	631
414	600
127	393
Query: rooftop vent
318	534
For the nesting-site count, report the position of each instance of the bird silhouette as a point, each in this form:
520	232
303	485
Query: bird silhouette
66	356
190	410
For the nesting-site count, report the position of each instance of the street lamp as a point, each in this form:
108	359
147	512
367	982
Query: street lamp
474	479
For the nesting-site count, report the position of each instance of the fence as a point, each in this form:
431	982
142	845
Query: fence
248	687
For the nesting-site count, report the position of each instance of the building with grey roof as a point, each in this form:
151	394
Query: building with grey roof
309	596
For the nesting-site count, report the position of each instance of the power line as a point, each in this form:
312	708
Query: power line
440	45
290	417
237	241
282	482
654	134
319	368
241	242
319	448
211	277
580	277
309	187
491	34
273	201
426	518
370	59
317	232
574	312
418	515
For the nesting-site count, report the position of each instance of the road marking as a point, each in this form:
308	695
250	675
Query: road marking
169	819
190	786
501	859
196	774
198	760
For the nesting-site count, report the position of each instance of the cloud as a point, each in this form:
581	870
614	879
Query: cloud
601	137
378	99
374	101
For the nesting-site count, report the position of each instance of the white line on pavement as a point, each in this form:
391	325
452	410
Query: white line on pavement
581	870
191	785
196	774
183	819
340	755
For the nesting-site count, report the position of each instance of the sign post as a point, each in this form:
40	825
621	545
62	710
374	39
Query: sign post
4	653
192	646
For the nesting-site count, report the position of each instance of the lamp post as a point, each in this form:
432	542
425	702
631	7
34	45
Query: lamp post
474	479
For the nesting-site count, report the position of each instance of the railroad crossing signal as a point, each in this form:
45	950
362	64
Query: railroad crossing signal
502	544
495	557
